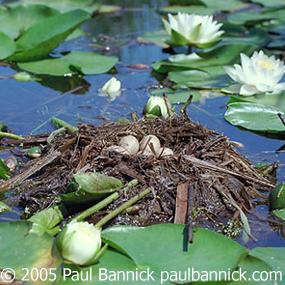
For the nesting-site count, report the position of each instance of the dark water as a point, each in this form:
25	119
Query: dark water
26	107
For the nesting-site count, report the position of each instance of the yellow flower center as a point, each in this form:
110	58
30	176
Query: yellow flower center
266	64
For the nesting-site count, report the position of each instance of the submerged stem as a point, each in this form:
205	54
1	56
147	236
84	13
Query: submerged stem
122	208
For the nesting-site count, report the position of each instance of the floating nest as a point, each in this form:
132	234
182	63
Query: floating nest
220	183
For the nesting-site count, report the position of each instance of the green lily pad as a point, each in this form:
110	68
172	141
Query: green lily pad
16	20
46	221
220	56
209	5
249	18
251	266
40	39
159	38
271	3
211	77
255	117
63	6
162	248
4	170
109	265
178	96
21	249
7	47
4	207
74	62
273	256
274	100
91	187
280	214
195	9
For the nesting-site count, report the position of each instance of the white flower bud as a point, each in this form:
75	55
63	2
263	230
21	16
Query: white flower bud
79	242
158	106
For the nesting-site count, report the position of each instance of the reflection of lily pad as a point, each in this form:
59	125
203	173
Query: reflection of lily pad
20	249
74	62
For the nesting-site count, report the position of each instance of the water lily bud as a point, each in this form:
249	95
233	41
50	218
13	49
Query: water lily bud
22	76
118	149
158	106
112	88
165	151
193	30
150	145
258	74
79	243
130	143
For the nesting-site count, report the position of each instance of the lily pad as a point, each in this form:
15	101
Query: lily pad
39	40
7	47
21	249
195	9
202	253
271	3
280	214
159	38
220	56
179	96
74	62
274	100
91	187
212	77
16	20
255	117
46	221
69	5
4	207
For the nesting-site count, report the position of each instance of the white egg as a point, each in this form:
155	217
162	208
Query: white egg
165	151
149	144
130	143
118	149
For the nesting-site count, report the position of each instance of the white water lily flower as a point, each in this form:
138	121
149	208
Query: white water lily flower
258	74
190	29
112	88
79	242
158	106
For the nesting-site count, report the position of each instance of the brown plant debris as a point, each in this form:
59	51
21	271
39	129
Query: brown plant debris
206	161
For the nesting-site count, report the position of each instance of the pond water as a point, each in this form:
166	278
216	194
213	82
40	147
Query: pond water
26	107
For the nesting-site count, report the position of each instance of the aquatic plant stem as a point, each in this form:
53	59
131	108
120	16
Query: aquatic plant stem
62	124
102	204
122	208
10	136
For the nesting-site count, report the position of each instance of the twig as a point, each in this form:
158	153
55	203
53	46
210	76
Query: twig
38	165
122	208
184	107
102	204
204	164
282	118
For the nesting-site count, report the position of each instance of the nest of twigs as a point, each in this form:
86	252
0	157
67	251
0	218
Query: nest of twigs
220	182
